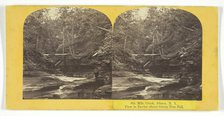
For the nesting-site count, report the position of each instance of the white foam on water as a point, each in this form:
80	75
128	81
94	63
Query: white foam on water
68	79
155	79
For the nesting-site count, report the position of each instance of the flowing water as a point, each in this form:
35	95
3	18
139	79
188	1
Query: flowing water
134	86
138	86
59	87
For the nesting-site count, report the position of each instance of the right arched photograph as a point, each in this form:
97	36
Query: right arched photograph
157	55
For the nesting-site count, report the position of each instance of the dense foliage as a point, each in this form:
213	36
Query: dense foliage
162	42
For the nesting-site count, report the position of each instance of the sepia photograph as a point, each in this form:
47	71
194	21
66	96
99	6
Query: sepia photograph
67	54
157	55
152	53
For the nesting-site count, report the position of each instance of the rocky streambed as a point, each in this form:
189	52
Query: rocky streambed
52	86
126	85
138	86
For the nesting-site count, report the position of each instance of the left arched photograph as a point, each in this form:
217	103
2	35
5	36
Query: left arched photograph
67	54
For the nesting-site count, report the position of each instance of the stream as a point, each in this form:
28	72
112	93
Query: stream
128	86
139	86
59	87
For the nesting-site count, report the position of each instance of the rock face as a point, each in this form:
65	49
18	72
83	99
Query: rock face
34	60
